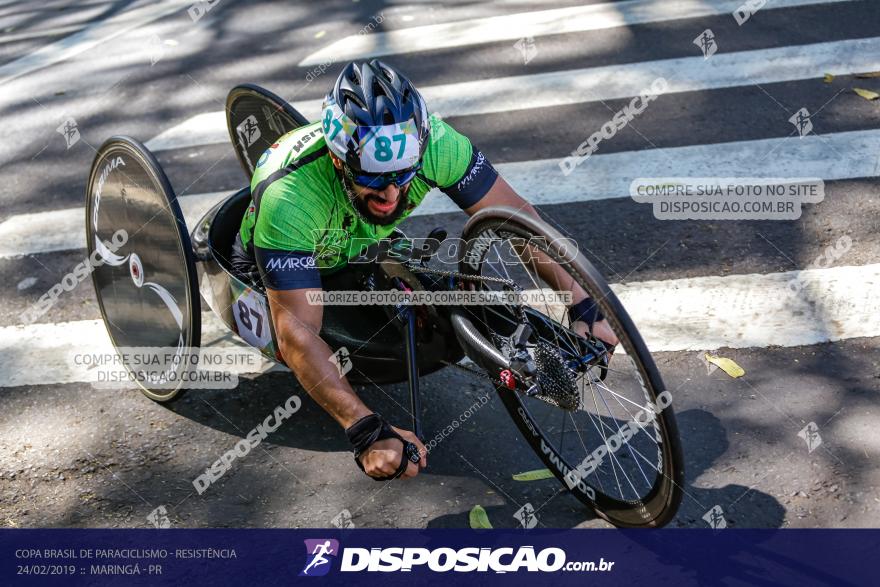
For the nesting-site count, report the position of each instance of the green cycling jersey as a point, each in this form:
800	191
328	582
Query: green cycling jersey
301	204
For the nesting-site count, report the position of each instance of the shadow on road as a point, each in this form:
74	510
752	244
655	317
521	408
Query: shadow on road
486	449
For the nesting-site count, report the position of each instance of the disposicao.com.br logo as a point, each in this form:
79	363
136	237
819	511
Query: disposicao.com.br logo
318	551
440	560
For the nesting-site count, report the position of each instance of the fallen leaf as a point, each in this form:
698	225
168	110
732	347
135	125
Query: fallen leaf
535	475
866	94
828	78
868	74
479	519
320	34
727	365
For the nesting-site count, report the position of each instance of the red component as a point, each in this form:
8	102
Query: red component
507	379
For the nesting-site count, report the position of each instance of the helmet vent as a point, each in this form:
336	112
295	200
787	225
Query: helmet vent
354	76
378	88
354	98
375	94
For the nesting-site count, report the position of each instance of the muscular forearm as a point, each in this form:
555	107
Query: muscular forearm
502	194
557	277
309	357
550	271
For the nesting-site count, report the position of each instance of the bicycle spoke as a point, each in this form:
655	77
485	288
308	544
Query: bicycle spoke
628	443
632	483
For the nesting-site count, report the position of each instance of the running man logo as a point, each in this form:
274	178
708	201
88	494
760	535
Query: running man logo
526	516
248	131
810	434
715	518
526	47
342	360
802	122
69	130
706	42
318	553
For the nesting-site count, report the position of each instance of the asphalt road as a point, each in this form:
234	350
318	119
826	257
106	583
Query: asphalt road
71	455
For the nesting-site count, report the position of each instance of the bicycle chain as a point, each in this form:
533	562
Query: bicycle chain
447	273
459	274
562	400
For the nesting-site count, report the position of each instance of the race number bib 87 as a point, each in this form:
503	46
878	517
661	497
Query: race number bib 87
386	148
252	319
389	148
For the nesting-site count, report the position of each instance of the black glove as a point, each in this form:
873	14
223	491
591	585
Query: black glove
370	429
587	311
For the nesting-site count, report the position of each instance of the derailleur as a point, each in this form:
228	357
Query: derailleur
521	364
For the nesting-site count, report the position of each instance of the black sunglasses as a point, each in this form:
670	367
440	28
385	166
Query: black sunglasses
380	181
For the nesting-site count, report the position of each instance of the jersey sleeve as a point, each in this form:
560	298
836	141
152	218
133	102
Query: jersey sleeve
456	166
285	239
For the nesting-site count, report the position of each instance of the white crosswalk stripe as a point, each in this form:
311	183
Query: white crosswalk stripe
61	230
90	37
529	24
739	311
27	35
674	315
559	88
50	353
830	157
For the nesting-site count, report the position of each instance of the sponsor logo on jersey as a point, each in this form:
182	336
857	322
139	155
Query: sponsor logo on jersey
304	140
265	156
290	263
475	171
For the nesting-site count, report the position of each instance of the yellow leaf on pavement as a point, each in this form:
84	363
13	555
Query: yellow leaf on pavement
535	475
866	94
729	366
479	519
828	78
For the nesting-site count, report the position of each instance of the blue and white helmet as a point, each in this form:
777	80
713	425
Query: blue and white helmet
375	120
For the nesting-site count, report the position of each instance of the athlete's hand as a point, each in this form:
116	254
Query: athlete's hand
601	330
383	457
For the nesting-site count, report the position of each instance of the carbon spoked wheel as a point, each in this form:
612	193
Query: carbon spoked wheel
599	416
145	278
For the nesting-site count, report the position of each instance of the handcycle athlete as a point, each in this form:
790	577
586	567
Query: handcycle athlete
353	177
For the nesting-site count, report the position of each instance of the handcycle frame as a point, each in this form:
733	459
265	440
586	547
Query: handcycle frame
128	187
150	291
424	341
430	337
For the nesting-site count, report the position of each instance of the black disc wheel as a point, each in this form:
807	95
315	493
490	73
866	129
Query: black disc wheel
144	275
256	119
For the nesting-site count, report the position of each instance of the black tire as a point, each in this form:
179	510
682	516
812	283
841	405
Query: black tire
660	502
159	241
